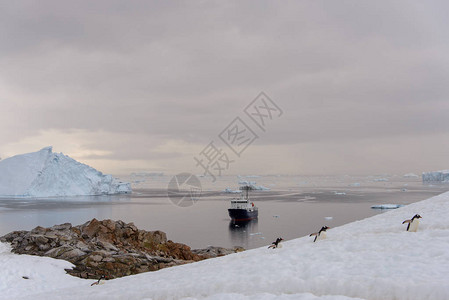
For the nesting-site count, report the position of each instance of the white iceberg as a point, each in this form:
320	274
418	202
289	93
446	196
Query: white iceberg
339	193
230	191
437	176
47	174
254	185
246	182
410	175
261	188
387	206
380	180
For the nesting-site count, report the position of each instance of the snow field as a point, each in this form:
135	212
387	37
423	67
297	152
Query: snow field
44	274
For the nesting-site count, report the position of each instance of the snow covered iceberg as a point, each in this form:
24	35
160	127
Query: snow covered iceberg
437	176
410	175
254	185
231	191
47	174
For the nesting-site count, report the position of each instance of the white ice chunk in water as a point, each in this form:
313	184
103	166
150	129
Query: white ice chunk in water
254	185
380	180
411	175
339	193
387	206
230	191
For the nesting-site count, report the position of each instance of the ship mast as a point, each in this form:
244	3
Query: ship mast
246	188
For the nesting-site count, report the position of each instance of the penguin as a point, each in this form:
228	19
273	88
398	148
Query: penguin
413	223
320	235
276	244
99	279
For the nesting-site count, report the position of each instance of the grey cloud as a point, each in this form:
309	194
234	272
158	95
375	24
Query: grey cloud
346	70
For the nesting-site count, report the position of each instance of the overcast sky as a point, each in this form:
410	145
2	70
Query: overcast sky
147	85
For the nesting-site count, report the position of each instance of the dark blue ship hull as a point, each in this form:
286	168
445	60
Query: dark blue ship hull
242	214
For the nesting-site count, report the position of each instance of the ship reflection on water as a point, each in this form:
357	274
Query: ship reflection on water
242	231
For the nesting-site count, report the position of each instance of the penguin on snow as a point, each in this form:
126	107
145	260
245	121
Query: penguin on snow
99	281
413	223
276	244
320	235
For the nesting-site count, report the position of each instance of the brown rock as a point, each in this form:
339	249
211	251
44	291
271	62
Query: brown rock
38	239
57	252
109	224
72	254
76	231
61	227
38	230
92	228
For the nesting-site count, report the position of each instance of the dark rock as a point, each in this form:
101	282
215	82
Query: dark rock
110	248
44	247
211	251
38	230
55	252
72	254
38	239
64	226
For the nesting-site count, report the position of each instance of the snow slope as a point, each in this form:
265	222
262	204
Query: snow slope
43	273
46	174
374	258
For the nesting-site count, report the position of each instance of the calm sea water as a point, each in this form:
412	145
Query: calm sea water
294	207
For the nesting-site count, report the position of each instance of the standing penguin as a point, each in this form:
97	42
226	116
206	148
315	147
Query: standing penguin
102	277
413	223
276	244
320	235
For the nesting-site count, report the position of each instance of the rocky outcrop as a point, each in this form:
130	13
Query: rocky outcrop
212	251
110	248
